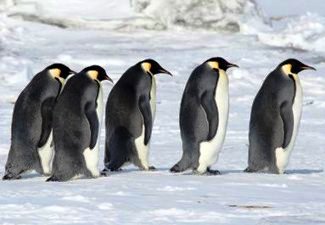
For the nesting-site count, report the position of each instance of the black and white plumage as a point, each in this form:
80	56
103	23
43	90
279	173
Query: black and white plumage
31	130
275	118
203	116
76	126
130	113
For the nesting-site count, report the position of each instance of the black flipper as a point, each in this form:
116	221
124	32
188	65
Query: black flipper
47	117
287	118
144	106
92	117
210	107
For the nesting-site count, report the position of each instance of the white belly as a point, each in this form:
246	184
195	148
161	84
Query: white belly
91	156
283	155
46	154
153	97
142	149
209	150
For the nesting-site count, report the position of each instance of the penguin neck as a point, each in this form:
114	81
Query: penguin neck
63	82
286	71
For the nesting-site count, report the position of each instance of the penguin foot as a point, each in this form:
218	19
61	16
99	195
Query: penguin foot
213	172
175	169
53	179
152	168
249	170
104	172
10	176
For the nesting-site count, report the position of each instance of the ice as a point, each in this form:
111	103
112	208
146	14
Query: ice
159	197
306	32
211	15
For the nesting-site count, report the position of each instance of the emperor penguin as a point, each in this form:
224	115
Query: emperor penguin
275	118
130	113
31	129
203	116
76	126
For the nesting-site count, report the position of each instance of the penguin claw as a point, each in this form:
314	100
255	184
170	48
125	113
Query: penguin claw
175	169
104	173
52	179
249	170
151	168
213	172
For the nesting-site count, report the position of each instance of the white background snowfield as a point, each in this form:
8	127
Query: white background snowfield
36	33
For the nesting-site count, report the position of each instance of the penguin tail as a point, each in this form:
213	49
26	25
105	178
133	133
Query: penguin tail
10	176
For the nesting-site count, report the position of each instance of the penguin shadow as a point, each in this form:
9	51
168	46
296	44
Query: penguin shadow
32	176
137	171
304	171
225	172
287	172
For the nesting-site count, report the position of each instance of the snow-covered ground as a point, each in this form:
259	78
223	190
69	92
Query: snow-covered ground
159	197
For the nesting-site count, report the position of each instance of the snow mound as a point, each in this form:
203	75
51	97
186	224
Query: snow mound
228	15
9	58
231	15
306	32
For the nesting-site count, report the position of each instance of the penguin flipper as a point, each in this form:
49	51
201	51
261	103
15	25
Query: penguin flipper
210	107
144	106
287	118
92	117
47	117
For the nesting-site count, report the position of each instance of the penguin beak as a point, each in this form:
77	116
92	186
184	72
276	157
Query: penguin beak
232	65
109	79
162	70
306	67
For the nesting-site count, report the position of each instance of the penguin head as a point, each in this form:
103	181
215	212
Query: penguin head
97	73
151	67
293	66
59	71
217	63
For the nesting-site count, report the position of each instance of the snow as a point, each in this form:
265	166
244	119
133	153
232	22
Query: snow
213	15
309	27
159	197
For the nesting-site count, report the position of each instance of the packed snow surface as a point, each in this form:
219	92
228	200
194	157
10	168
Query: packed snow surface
159	197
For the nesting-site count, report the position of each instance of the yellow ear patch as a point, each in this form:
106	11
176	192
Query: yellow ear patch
93	74
55	72
287	69
213	64
146	66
